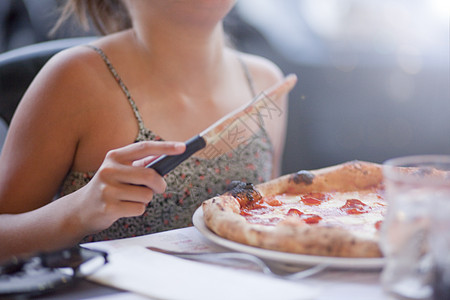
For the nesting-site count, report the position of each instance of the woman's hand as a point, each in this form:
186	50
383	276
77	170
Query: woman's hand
122	187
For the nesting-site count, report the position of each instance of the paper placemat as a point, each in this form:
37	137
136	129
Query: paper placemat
161	276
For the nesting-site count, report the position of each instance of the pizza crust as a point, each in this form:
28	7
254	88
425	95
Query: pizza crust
221	214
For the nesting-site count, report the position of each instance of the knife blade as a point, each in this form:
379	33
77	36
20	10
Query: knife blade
166	163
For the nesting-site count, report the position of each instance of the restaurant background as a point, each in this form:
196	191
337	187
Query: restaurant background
374	79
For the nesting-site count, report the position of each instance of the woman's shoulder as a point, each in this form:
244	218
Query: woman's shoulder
82	62
264	72
80	69
74	66
67	83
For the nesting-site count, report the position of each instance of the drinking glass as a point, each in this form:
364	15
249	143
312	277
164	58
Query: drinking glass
440	244
411	241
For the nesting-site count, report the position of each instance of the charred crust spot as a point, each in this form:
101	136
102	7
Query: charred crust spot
303	176
237	185
243	192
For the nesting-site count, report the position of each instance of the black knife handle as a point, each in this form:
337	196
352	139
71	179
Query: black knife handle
166	163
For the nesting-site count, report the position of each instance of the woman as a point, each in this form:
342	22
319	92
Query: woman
95	115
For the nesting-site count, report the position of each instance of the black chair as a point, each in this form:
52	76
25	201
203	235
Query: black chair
18	67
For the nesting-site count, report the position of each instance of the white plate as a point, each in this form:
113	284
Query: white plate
283	257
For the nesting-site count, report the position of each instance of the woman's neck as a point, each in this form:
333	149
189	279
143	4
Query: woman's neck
176	48
174	55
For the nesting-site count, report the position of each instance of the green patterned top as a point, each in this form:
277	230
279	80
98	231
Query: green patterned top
188	185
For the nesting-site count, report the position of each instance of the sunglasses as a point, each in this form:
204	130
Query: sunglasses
48	271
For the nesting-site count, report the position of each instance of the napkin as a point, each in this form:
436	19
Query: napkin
161	276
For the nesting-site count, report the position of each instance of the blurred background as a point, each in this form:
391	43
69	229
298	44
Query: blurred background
374	79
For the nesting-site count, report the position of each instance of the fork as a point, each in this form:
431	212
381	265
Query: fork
259	264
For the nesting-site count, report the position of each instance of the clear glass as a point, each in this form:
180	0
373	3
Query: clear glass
440	244
414	187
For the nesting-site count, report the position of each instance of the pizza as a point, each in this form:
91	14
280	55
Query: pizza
335	211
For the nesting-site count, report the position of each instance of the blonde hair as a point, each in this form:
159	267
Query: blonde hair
107	16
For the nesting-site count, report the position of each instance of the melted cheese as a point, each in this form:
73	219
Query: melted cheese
330	210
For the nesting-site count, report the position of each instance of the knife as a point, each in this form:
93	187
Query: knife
166	163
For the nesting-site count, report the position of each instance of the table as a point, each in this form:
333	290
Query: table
330	284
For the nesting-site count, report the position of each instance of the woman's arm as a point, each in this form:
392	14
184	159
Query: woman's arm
49	128
119	189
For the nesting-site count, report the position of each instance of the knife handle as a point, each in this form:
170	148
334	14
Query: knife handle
166	163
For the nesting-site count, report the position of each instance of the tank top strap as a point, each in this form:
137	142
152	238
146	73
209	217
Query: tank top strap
122	86
252	88
248	76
